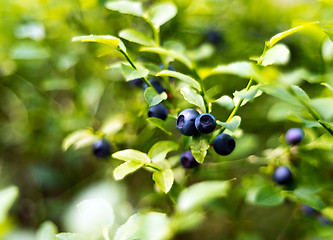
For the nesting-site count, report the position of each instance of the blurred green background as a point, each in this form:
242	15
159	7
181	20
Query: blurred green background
50	87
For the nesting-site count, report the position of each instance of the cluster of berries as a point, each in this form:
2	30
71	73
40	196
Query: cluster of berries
191	123
282	174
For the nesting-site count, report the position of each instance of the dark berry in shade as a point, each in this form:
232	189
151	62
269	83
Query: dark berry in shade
325	221
136	82
186	122
282	175
213	36
102	148
158	111
308	211
294	136
224	144
156	84
187	160
205	123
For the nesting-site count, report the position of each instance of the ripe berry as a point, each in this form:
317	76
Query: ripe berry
294	136
187	160
308	211
136	82
185	122
325	221
205	123
158	111
224	144
213	37
282	175
101	148
157	85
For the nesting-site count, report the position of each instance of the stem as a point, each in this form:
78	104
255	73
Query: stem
133	66
202	87
315	116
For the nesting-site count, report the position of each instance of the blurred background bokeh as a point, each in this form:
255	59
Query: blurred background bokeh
50	87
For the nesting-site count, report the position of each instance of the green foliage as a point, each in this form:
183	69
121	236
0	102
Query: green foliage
61	96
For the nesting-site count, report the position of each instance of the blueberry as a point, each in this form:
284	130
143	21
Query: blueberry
213	36
136	82
187	160
308	211
224	144
101	148
186	122
158	111
294	136
205	123
157	85
282	175
323	220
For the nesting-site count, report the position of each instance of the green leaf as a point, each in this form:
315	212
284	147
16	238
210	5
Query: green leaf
74	137
323	106
96	214
308	196
279	92
266	196
329	34
105	39
150	226
130	229
225	101
300	93
137	37
241	69
153	97
247	95
130	73
232	125
126	7
193	97
204	51
7	199
71	236
131	155
161	13
201	193
126	168
284	34
328	86
199	146
171	53
164	179
279	54
160	124
112	125
160	149
47	231
191	81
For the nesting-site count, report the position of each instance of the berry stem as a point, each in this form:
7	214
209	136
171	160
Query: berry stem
202	92
133	66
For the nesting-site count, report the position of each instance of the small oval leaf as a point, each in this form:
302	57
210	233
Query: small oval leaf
131	155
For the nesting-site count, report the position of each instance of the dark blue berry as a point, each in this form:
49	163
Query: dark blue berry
186	122
282	175
101	148
308	211
205	123
158	111
136	82
187	160
294	136
157	85
213	36
224	144
323	220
